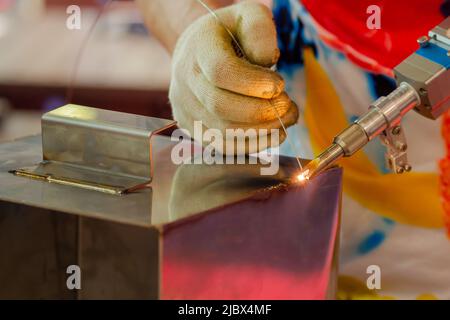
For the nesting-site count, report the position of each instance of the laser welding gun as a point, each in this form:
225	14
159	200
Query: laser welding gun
423	85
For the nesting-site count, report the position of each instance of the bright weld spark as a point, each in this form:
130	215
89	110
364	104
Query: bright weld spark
211	11
303	177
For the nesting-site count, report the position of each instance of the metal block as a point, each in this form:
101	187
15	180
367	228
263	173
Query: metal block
197	232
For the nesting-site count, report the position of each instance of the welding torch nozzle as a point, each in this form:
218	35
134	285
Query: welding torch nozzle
386	112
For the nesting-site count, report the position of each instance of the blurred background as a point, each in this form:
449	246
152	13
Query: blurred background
122	67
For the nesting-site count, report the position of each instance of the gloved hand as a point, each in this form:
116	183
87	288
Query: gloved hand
212	84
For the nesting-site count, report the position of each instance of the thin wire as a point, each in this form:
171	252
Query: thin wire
287	137
223	25
242	53
81	50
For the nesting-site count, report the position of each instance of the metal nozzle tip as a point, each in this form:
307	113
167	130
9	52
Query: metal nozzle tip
322	162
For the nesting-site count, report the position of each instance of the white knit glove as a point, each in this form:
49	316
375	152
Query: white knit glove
212	84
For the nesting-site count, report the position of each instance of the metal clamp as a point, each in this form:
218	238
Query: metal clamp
396	157
96	149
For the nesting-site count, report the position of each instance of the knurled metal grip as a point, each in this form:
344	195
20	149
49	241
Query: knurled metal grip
351	139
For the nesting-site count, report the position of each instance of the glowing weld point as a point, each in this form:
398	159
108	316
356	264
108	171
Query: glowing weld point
302	177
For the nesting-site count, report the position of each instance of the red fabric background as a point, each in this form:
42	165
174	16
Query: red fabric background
402	22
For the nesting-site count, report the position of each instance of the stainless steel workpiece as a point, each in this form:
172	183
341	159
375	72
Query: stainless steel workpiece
96	149
197	232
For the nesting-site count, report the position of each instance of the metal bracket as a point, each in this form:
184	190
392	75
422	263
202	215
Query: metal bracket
96	149
396	157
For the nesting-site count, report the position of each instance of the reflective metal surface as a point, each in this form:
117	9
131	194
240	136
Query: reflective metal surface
133	209
278	243
441	32
95	149
430	79
198	231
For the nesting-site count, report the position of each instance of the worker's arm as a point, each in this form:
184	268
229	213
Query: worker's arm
210	82
168	19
